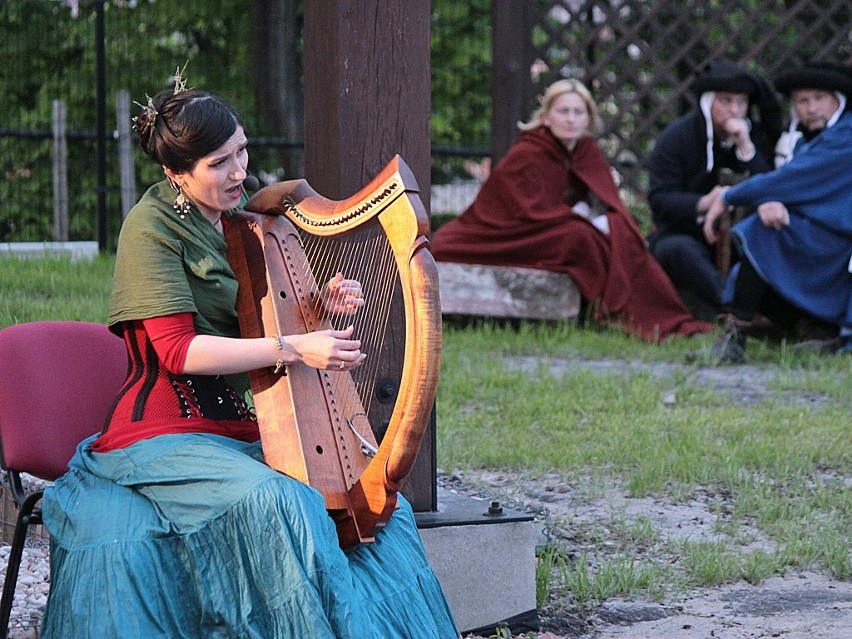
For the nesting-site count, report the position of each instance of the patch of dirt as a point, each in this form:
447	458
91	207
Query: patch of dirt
745	385
800	606
805	605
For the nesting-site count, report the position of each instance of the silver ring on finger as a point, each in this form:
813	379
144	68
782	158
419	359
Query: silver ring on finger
342	364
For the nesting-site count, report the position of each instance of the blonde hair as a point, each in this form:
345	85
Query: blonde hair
555	91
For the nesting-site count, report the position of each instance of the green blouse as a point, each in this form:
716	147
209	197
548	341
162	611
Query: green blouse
168	262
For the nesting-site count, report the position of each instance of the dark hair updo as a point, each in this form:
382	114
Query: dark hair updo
178	129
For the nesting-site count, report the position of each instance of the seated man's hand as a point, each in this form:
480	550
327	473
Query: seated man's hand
708	200
774	215
740	133
716	210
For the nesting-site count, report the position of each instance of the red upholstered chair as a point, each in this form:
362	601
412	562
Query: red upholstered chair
57	383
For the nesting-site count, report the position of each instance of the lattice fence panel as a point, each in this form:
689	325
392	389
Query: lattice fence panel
638	57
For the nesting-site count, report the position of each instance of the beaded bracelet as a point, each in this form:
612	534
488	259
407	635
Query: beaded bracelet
280	364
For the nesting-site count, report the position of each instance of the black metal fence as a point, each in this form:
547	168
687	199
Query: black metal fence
82	53
78	53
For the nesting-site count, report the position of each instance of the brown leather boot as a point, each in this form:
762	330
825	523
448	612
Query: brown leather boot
730	345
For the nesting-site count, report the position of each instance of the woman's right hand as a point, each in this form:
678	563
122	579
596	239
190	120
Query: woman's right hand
327	349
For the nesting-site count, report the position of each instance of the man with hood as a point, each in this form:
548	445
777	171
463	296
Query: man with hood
797	249
734	126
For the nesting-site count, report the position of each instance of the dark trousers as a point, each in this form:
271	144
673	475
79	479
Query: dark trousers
691	266
752	295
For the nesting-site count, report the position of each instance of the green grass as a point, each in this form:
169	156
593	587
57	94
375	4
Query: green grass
492	415
618	575
37	289
615	576
783	468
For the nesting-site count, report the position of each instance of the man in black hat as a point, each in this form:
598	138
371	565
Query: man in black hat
819	94
797	247
733	127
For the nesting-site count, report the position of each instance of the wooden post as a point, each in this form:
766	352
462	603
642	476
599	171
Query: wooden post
511	83
125	151
60	173
367	98
367	92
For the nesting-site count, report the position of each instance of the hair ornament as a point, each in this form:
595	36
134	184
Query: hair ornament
150	113
180	80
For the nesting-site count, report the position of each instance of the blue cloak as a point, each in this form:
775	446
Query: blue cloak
807	262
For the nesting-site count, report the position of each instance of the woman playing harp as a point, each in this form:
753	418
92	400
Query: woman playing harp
169	523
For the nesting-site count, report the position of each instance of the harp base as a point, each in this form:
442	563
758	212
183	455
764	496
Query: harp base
495	584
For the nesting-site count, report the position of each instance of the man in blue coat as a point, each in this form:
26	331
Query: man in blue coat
798	247
819	93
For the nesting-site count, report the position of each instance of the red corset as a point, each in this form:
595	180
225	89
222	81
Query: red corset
153	401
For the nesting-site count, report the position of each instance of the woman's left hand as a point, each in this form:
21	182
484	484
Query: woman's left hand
342	296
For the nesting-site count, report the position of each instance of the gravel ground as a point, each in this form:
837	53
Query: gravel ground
31	591
793	606
805	605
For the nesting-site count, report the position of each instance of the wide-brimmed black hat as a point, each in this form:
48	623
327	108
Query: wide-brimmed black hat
728	77
722	75
816	75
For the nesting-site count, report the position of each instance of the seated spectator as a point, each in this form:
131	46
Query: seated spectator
552	203
818	95
733	127
798	248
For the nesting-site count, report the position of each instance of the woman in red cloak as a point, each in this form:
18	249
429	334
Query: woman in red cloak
551	203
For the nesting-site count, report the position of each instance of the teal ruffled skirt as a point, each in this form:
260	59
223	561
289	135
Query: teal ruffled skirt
193	536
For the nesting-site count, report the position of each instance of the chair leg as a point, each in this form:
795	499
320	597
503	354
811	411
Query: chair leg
16	552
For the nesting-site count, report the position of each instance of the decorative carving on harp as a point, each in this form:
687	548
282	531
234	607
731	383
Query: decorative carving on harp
321	426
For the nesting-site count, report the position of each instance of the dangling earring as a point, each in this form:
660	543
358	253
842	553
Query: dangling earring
182	202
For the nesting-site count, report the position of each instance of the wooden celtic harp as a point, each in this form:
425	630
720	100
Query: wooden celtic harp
321	426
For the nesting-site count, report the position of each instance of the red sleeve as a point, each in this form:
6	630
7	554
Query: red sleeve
170	335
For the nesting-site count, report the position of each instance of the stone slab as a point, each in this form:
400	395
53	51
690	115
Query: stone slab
75	250
507	292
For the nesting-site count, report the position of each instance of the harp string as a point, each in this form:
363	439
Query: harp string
364	255
384	267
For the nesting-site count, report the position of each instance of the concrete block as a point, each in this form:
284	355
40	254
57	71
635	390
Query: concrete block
485	563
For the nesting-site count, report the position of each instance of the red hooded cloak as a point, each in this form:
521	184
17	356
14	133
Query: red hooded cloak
522	216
